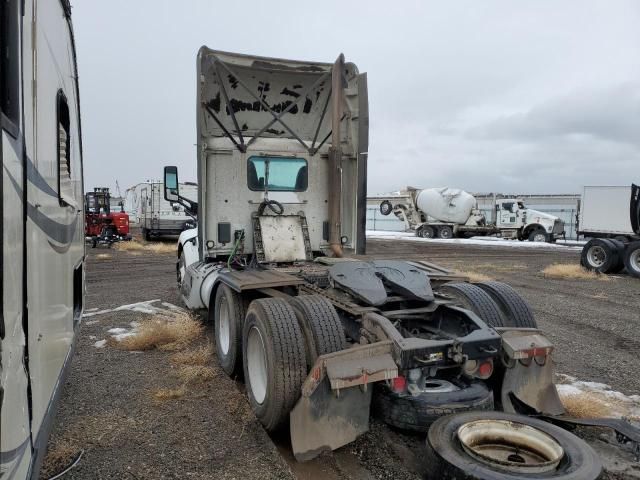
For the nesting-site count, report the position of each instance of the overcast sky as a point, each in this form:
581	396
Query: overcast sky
508	96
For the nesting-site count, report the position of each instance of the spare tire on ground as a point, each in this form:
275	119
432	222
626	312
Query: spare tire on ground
502	446
417	413
599	255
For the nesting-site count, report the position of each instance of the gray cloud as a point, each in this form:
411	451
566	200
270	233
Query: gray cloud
494	96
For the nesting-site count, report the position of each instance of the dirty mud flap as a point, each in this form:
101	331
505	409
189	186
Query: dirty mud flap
528	377
334	407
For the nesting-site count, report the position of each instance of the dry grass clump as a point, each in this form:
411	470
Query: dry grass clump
59	456
197	356
572	271
169	393
162	333
196	373
585	405
103	256
129	246
474	276
160	247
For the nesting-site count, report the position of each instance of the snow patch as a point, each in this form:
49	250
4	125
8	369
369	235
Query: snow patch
147	307
484	241
100	344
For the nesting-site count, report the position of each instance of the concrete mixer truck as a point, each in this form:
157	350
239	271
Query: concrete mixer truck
450	213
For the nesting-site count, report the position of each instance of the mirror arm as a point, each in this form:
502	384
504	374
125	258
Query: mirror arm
191	207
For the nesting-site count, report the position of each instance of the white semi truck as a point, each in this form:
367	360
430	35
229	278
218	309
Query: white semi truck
610	217
319	337
42	233
449	213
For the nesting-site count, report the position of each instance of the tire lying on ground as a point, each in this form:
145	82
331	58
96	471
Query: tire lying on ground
473	461
275	360
474	298
515	310
417	413
632	259
320	325
229	310
599	255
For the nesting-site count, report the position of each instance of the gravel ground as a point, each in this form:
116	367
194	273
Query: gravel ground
108	409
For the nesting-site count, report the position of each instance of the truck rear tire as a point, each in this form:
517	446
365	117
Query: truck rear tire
477	300
417	413
516	312
228	315
275	361
320	325
632	259
426	232
620	249
599	255
445	232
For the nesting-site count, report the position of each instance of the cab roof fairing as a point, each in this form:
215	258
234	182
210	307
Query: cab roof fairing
244	98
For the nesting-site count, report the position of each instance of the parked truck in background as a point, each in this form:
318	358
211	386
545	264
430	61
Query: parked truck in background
156	216
319	336
42	239
453	213
610	217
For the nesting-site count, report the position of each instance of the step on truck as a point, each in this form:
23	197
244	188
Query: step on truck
452	213
324	335
42	236
609	216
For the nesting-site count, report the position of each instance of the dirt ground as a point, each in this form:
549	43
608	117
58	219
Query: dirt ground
108	409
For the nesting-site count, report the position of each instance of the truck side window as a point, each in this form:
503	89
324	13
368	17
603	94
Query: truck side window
281	174
508	206
65	188
10	64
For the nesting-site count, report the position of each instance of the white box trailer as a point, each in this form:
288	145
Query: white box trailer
610	217
147	207
42	233
605	211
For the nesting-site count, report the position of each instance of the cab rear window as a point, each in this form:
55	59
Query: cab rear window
277	174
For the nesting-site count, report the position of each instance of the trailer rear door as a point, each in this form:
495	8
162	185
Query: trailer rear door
605	210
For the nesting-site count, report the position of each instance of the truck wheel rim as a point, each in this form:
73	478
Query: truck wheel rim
539	237
634	260
257	365
510	446
224	328
596	256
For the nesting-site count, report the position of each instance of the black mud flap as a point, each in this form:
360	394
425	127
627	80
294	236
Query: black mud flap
328	419
405	279
635	208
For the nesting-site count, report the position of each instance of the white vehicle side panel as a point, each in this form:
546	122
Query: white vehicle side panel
605	209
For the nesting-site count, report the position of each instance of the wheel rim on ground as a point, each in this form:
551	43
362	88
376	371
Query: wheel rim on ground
596	256
224	328
257	365
510	446
540	237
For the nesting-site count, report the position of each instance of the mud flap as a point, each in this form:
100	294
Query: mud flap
328	419
529	372
333	409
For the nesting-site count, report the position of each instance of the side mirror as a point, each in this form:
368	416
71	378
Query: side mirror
171	185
